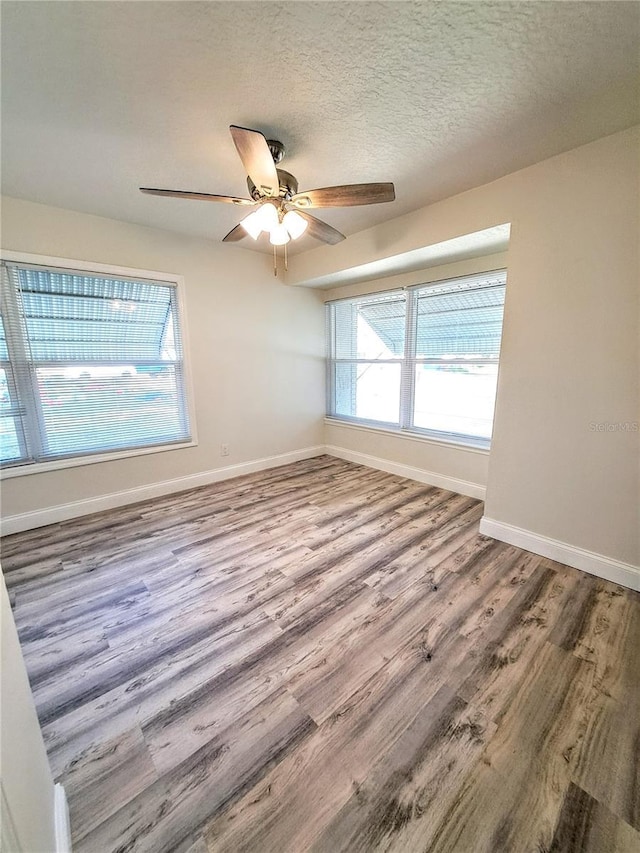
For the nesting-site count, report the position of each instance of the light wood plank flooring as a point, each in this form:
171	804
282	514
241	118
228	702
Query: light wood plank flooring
327	658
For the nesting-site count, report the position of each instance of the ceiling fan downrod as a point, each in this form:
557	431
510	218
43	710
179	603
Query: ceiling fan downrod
277	150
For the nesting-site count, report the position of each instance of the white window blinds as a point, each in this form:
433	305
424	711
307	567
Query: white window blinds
89	363
424	359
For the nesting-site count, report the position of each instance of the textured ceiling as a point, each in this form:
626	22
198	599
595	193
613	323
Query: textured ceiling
99	98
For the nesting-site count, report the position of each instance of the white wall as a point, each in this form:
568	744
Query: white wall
256	350
570	342
28	817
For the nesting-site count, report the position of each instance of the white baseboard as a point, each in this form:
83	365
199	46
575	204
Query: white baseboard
462	487
607	568
75	509
62	823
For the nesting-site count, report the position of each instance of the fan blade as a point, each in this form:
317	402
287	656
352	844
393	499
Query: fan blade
320	230
256	159
235	234
198	196
347	195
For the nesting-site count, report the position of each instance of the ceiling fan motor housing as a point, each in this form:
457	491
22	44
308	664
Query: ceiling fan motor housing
288	186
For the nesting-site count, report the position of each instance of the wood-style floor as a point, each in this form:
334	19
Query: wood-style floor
327	658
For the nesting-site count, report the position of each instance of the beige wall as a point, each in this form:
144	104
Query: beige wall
27	785
570	339
256	350
569	353
468	266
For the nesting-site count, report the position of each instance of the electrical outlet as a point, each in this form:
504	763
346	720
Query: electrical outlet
224	450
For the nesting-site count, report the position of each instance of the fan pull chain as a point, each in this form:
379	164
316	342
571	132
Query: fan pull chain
275	262
285	258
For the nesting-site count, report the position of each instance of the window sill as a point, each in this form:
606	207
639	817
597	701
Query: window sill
77	461
458	444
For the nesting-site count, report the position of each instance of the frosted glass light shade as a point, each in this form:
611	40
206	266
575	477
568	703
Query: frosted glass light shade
267	216
251	225
279	235
295	224
262	219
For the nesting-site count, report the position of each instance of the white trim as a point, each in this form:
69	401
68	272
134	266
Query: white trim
61	818
463	487
63	512
588	561
407	436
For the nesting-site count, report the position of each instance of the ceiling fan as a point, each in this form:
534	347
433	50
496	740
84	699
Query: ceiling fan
280	209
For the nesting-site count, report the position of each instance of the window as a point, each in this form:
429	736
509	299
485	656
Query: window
423	359
89	363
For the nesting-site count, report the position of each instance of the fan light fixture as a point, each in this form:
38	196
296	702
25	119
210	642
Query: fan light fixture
267	218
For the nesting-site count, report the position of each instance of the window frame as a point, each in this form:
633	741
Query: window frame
25	468
405	427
